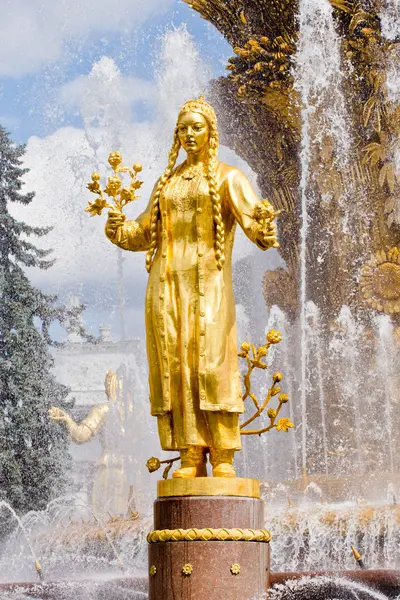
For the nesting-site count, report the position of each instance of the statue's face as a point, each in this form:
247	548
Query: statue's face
193	132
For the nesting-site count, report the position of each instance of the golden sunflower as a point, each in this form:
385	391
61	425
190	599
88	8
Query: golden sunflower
380	281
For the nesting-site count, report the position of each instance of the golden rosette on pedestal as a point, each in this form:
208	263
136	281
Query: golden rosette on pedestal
380	281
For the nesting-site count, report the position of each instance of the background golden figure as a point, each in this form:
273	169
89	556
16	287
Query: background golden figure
188	231
112	487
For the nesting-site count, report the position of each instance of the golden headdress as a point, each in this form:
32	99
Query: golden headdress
202	107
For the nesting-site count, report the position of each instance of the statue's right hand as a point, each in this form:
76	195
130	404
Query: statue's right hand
114	222
57	414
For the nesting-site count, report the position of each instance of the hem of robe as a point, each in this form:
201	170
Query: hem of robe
203	407
220	435
221	408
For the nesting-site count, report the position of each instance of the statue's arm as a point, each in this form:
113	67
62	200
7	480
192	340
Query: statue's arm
82	432
130	235
246	208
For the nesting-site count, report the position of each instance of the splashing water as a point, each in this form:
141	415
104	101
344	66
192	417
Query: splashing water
317	79
22	528
390	19
313	332
329	588
383	360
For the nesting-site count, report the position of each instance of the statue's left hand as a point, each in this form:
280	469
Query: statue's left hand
57	414
264	215
268	235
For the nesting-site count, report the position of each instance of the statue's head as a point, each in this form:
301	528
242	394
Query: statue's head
112	385
196	131
196	127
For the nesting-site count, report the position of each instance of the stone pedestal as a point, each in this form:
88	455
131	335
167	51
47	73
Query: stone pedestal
208	541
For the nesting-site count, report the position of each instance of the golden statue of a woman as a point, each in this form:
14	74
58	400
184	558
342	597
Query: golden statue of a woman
188	231
112	487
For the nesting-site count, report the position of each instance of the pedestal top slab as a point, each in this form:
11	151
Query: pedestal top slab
209	486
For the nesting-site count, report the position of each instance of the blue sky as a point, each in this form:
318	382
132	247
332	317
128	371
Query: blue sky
77	83
27	93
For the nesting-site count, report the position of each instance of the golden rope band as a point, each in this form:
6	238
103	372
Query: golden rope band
209	535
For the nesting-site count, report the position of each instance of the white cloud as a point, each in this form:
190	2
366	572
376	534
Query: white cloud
132	89
60	166
32	32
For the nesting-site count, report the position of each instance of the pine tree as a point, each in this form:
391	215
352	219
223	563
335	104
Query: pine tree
33	453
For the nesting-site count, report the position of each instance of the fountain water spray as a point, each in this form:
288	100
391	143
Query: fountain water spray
317	74
38	567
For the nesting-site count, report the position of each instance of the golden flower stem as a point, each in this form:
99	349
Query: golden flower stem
259	411
257	431
169	460
247	384
265	429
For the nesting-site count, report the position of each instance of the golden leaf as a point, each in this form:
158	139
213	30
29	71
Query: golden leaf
379	80
259	364
368	108
358	18
94	187
284	424
96	207
375	157
390	176
390	204
343	5
393	254
374	152
378	126
382	175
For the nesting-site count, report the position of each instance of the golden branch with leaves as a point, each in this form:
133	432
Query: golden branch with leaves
254	358
153	464
121	195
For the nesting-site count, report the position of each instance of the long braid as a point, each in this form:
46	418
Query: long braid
219	243
207	111
155	209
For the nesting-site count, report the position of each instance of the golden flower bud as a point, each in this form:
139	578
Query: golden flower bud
276	377
137	167
126	194
246	346
115	159
283	398
113	185
262	351
274	336
272	413
95	176
153	464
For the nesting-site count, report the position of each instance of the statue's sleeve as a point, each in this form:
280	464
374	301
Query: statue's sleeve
242	201
135	235
82	432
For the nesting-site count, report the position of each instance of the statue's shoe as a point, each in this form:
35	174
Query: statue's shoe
193	471
224	470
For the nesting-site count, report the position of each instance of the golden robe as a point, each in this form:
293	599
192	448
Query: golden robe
111	485
195	387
